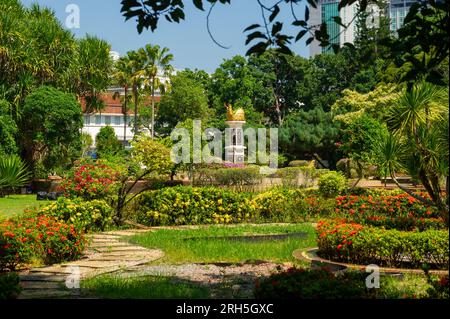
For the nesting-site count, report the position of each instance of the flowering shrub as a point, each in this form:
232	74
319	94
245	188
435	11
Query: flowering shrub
186	205
312	284
93	215
43	237
290	205
91	180
354	243
400	211
332	184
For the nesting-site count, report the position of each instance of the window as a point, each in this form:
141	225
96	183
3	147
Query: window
98	119
118	120
87	120
108	120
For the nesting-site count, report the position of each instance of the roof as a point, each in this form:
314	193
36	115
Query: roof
114	105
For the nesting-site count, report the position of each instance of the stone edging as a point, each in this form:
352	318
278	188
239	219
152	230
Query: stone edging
310	255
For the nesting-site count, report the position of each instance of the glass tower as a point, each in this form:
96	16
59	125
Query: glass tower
330	10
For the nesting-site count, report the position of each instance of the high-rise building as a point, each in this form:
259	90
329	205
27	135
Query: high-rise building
327	9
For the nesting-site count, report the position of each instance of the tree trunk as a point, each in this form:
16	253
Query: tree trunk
135	93
153	109
125	111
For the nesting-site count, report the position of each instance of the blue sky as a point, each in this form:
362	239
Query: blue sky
188	41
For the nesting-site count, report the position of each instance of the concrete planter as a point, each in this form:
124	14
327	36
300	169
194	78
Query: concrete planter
310	255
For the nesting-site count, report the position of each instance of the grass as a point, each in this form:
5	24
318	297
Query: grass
209	244
16	204
146	287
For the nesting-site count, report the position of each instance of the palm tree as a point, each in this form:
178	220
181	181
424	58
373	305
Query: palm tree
419	142
122	74
157	62
137	65
13	173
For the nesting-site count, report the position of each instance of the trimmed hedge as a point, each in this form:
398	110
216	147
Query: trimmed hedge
188	205
354	243
209	205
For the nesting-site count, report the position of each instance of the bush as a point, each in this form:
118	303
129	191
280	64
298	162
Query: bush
187	205
94	215
42	237
401	211
290	205
91	180
107	143
232	176
332	184
297	176
9	286
302	163
312	284
358	244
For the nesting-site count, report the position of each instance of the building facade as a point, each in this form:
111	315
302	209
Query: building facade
327	9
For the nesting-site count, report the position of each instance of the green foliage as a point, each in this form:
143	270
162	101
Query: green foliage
94	215
360	136
353	243
187	205
8	131
238	177
332	184
107	144
301	163
9	286
297	176
13	173
307	132
51	127
185	100
153	155
94	66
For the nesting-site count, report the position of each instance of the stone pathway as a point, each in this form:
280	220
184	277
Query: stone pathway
105	253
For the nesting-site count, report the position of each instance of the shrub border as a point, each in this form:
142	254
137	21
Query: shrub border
310	255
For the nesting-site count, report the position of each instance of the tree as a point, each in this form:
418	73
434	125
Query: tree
106	143
136	64
185	100
51	125
309	134
123	76
358	139
94	66
8	131
424	30
234	83
153	160
157	63
87	142
419	142
13	173
280	76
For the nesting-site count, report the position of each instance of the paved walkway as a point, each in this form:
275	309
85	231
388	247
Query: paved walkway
106	253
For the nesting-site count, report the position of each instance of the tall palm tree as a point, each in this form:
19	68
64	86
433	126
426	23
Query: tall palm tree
157	62
123	74
137	64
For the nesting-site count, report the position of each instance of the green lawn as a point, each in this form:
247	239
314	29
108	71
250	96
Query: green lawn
215	243
147	287
16	204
